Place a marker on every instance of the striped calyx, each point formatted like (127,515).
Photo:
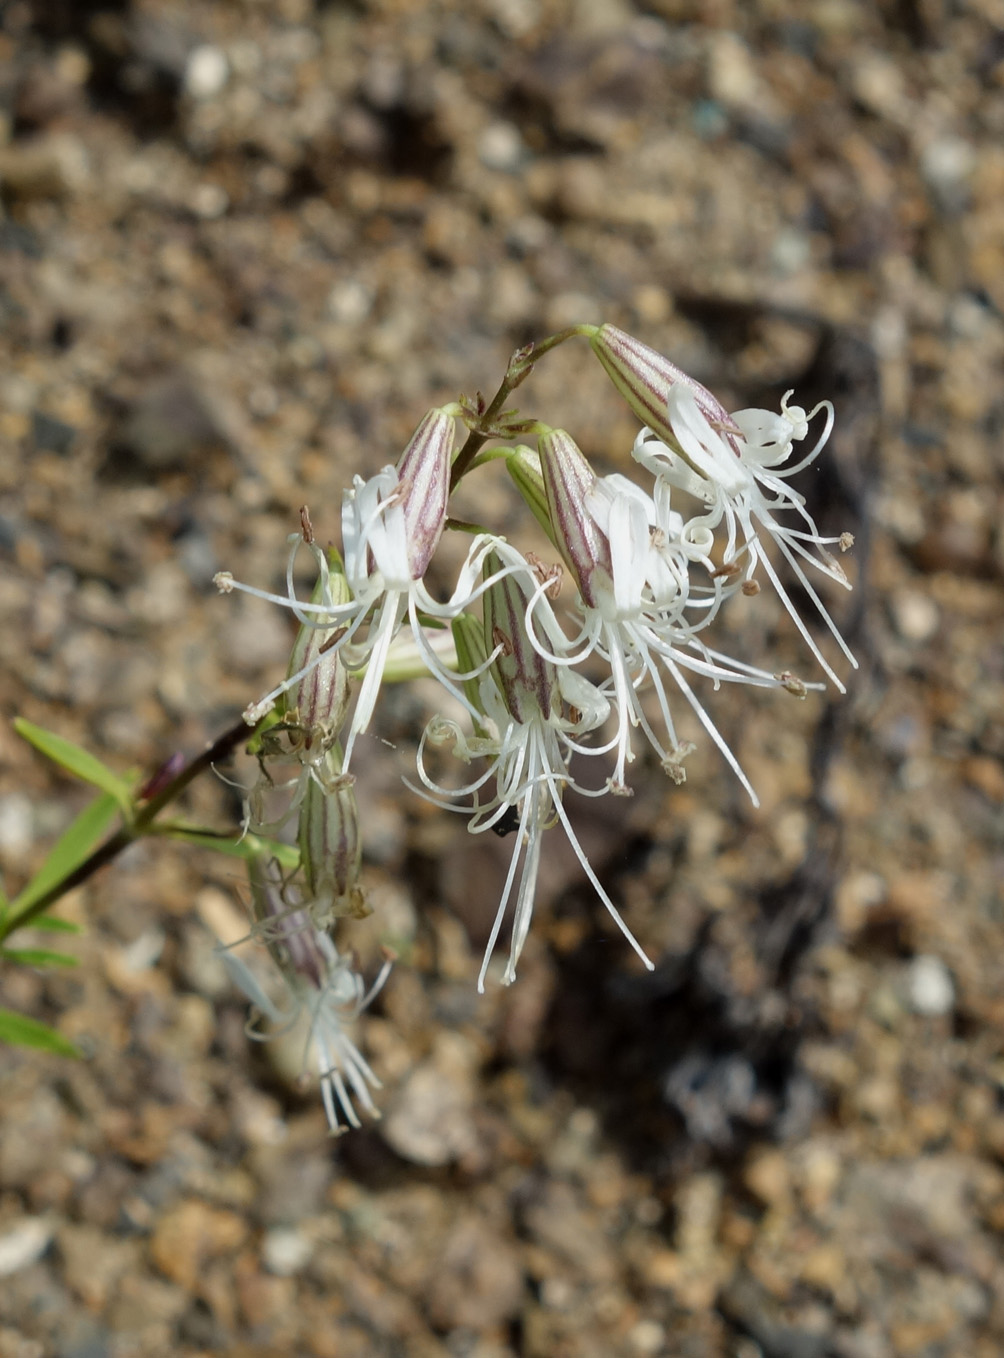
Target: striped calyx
(318,701)
(527,682)
(330,844)
(568,479)
(424,480)
(645,378)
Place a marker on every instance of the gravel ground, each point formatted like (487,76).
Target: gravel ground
(244,247)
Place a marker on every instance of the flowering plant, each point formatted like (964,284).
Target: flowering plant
(651,563)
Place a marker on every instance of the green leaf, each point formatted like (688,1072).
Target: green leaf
(248,846)
(52,924)
(77,761)
(20,1031)
(69,851)
(38,957)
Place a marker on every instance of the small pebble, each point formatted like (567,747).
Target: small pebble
(206,72)
(647,1337)
(16,832)
(23,1243)
(500,147)
(916,616)
(285,1252)
(930,989)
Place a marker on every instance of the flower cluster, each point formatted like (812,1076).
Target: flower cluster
(651,563)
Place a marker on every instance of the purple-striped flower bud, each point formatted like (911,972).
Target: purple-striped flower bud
(568,479)
(644,378)
(424,480)
(316,703)
(527,682)
(293,943)
(331,848)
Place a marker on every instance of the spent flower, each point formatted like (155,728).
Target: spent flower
(323,991)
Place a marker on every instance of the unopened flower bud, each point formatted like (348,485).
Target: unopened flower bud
(644,378)
(331,846)
(568,479)
(424,478)
(163,777)
(317,702)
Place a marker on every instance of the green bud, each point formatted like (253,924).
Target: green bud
(330,844)
(469,640)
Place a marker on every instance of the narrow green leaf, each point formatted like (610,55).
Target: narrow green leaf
(52,924)
(248,846)
(69,851)
(20,1031)
(77,761)
(38,957)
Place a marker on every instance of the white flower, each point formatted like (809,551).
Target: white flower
(391,525)
(531,716)
(322,988)
(737,472)
(631,561)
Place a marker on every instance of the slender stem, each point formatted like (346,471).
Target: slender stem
(223,746)
(520,366)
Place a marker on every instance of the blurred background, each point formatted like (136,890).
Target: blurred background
(245,246)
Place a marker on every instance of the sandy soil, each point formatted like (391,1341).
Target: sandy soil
(244,247)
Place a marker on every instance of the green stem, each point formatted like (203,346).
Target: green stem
(519,369)
(223,746)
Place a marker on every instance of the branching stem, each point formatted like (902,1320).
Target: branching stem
(519,369)
(126,834)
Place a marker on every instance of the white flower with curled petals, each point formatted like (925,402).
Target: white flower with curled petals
(738,472)
(640,611)
(391,526)
(531,717)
